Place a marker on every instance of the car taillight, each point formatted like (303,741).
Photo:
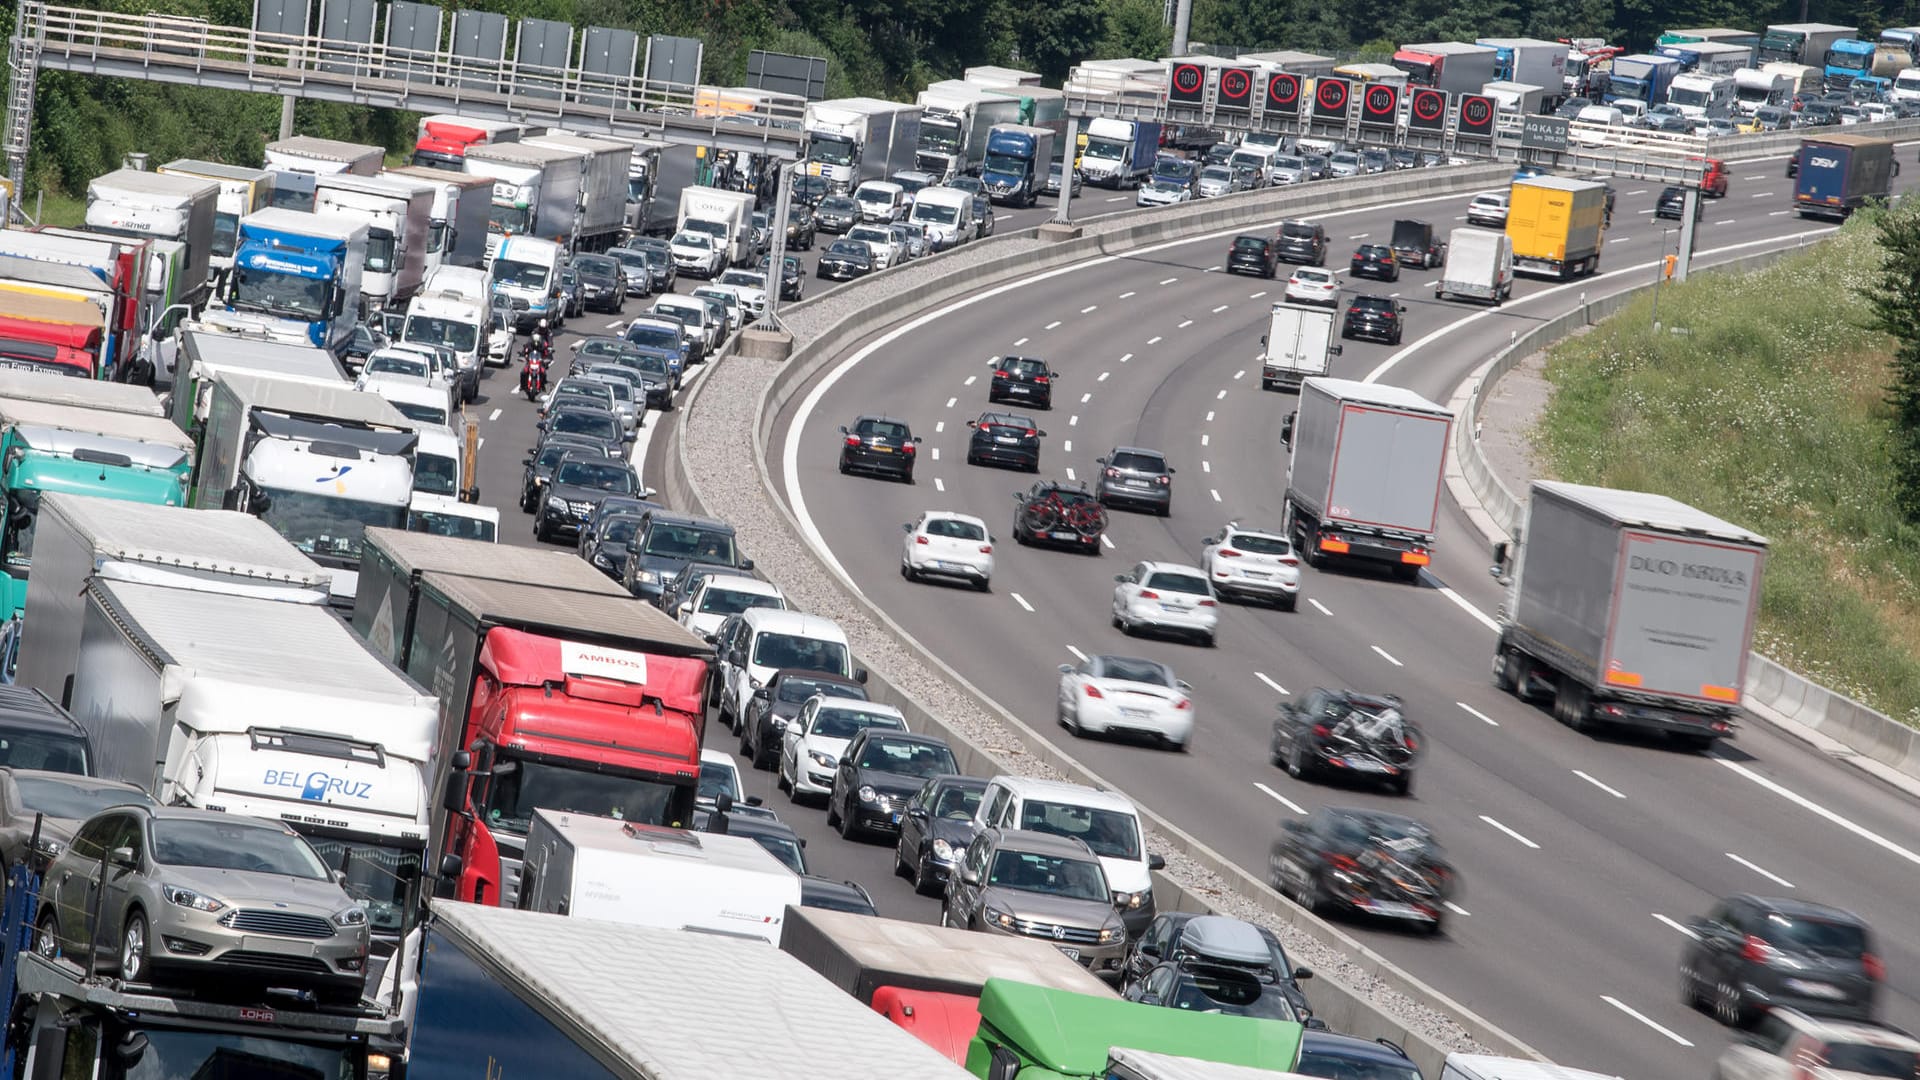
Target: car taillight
(1412,743)
(1033,433)
(1288,560)
(1338,861)
(1387,260)
(1111,473)
(1183,703)
(1757,951)
(1164,479)
(1321,731)
(1040,379)
(906,448)
(986,549)
(1227,553)
(1209,603)
(1874,968)
(1001,375)
(1093,691)
(921,540)
(1149,594)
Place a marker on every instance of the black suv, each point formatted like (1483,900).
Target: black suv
(1375,261)
(1673,204)
(800,226)
(1375,317)
(1303,242)
(1021,378)
(1253,255)
(793,278)
(579,481)
(603,282)
(1415,244)
(878,444)
(1753,952)
(667,541)
(537,468)
(1005,439)
(35,733)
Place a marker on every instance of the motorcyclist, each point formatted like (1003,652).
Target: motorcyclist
(543,339)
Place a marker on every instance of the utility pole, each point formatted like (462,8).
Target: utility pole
(1183,14)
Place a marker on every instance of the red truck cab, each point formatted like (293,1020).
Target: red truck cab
(1713,182)
(50,334)
(444,140)
(946,1022)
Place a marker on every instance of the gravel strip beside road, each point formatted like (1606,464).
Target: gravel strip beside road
(809,320)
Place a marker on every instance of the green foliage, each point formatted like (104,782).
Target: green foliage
(1895,314)
(1771,411)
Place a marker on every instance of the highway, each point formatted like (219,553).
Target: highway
(1580,856)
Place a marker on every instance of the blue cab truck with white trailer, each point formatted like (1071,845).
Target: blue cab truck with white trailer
(1642,77)
(1119,153)
(1018,157)
(296,278)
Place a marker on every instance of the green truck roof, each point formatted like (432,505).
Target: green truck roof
(1073,1034)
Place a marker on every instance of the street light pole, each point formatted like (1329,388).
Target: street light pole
(777,250)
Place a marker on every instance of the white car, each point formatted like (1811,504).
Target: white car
(1108,694)
(695,253)
(694,314)
(1488,208)
(1874,112)
(1162,193)
(718,776)
(1312,285)
(811,748)
(399,365)
(750,286)
(1790,1045)
(720,595)
(885,246)
(1168,597)
(736,311)
(1252,563)
(943,544)
(499,339)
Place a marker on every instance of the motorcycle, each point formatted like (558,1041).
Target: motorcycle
(533,370)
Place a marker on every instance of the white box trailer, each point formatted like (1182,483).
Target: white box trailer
(1485,1067)
(1299,344)
(21,384)
(457,222)
(649,875)
(603,187)
(160,206)
(398,214)
(1479,266)
(297,161)
(863,955)
(1126,1064)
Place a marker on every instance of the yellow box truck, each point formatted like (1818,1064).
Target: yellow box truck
(1557,226)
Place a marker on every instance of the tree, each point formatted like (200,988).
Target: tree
(1896,314)
(1135,28)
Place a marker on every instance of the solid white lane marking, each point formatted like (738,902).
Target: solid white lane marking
(1124,295)
(1153,340)
(1107,540)
(1282,799)
(950,401)
(936,453)
(616,324)
(1184,325)
(1456,908)
(1808,804)
(1762,871)
(1603,787)
(1642,1017)
(1648,211)
(1216,493)
(1471,711)
(1078,653)
(1021,600)
(1682,927)
(1170,281)
(1070,475)
(1431,284)
(1103,376)
(1220,309)
(1485,620)
(938,484)
(492,416)
(1318,606)
(1021,342)
(1126,358)
(1206,466)
(1051,325)
(1271,685)
(1212,270)
(969,381)
(1387,656)
(1497,825)
(1090,309)
(480,442)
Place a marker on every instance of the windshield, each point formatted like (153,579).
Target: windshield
(903,758)
(784,849)
(1023,871)
(939,136)
(73,801)
(1260,545)
(524,275)
(46,751)
(745,278)
(461,337)
(1129,669)
(226,234)
(1815,935)
(509,219)
(654,337)
(531,785)
(1217,174)
(831,149)
(839,204)
(593,424)
(870,195)
(436,475)
(170,1054)
(693,314)
(231,845)
(797,689)
(1112,834)
(326,527)
(1003,163)
(1180,583)
(600,475)
(396,365)
(956,530)
(848,249)
(596,266)
(805,653)
(846,723)
(619,530)
(717,779)
(690,239)
(692,542)
(1846,61)
(436,236)
(424,414)
(957,803)
(380,247)
(935,213)
(457,525)
(381,878)
(1334,1067)
(1859,1059)
(280,294)
(1244,160)
(1104,150)
(1682,96)
(718,601)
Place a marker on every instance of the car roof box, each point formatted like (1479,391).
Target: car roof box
(1216,937)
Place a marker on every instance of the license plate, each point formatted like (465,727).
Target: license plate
(1062,534)
(1018,390)
(1173,607)
(1815,989)
(1071,954)
(1136,713)
(1388,907)
(1137,483)
(1253,574)
(1007,440)
(883,449)
(1365,765)
(896,817)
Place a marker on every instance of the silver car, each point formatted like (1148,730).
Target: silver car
(1345,163)
(57,803)
(912,237)
(169,894)
(1038,885)
(1218,180)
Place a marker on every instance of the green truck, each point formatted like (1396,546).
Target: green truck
(1029,1032)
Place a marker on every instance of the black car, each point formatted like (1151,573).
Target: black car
(1346,733)
(776,836)
(602,425)
(1025,379)
(1253,255)
(538,467)
(765,717)
(1303,242)
(936,830)
(879,774)
(1415,243)
(1325,1053)
(1816,114)
(810,190)
(666,541)
(1570,108)
(1380,318)
(572,295)
(1067,515)
(1751,953)
(1673,204)
(831,895)
(879,445)
(1375,261)
(1005,439)
(578,484)
(793,277)
(1165,938)
(800,226)
(845,260)
(836,214)
(1213,988)
(603,282)
(604,540)
(1403,158)
(1364,862)
(362,343)
(1218,153)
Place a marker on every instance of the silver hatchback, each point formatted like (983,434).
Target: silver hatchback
(1137,477)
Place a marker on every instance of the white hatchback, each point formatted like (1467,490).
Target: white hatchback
(1252,563)
(1168,597)
(948,545)
(1126,694)
(1312,285)
(811,747)
(720,595)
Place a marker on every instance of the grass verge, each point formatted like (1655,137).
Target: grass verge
(1760,399)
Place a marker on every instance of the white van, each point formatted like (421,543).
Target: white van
(467,281)
(527,271)
(1106,821)
(436,462)
(1589,122)
(881,201)
(417,401)
(444,516)
(946,214)
(451,319)
(760,641)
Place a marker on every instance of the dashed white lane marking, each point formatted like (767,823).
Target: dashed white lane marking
(1084,398)
(1642,1017)
(1107,540)
(1184,325)
(1221,396)
(1204,439)
(1068,447)
(950,401)
(480,442)
(492,416)
(1212,270)
(1090,309)
(1124,295)
(1282,799)
(1359,236)
(1602,786)
(969,381)
(1206,466)
(1457,909)
(1021,600)
(938,484)
(1070,475)
(1216,493)
(936,453)
(1103,376)
(1762,871)
(1123,359)
(1431,284)
(1076,652)
(1396,295)
(1220,309)
(1258,295)
(1680,926)
(939,426)
(1483,817)
(1762,195)
(1074,420)
(616,324)
(1153,340)
(1241,374)
(1642,191)
(1726,221)
(1779,213)
(1170,281)
(1051,325)
(1117,198)
(1274,686)
(1808,804)
(1318,606)
(1485,620)
(1471,711)
(1387,656)
(1021,342)
(1647,211)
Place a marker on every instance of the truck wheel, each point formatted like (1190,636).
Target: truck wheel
(1506,676)
(1570,705)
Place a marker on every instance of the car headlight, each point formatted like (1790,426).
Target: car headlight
(187,898)
(1132,901)
(647,577)
(600,560)
(825,761)
(943,851)
(352,917)
(866,794)
(556,503)
(1111,933)
(996,916)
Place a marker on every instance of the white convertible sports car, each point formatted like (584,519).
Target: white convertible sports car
(1107,694)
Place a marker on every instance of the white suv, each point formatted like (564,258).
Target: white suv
(1252,564)
(1489,209)
(760,641)
(1168,597)
(1105,820)
(1786,1045)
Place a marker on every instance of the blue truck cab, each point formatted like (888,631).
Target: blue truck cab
(296,275)
(1847,60)
(1017,160)
(1642,77)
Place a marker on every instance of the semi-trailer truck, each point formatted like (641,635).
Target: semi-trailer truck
(1530,61)
(444,139)
(397,212)
(296,278)
(1708,57)
(1642,77)
(105,271)
(1119,153)
(205,353)
(1018,156)
(1557,225)
(1728,35)
(1365,473)
(159,206)
(1028,1030)
(536,190)
(1839,174)
(853,140)
(1299,343)
(242,191)
(954,121)
(457,221)
(1453,66)
(601,212)
(1868,63)
(1629,610)
(297,161)
(1802,43)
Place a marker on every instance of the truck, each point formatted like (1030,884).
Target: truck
(650,875)
(853,140)
(203,354)
(457,221)
(1642,77)
(544,978)
(296,278)
(1453,66)
(1700,96)
(1838,174)
(1708,57)
(1018,156)
(50,335)
(1070,1036)
(1755,87)
(727,216)
(1557,225)
(1589,68)
(1293,61)
(1520,99)
(536,190)
(1479,266)
(1365,475)
(1806,78)
(525,271)
(1119,153)
(242,191)
(1299,343)
(1529,60)
(397,213)
(1628,610)
(1903,37)
(1871,65)
(1127,1064)
(105,271)
(955,118)
(444,139)
(602,210)
(297,161)
(318,463)
(161,206)
(1802,43)
(1487,1067)
(1906,87)
(926,979)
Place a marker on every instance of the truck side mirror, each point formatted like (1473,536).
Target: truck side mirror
(1499,559)
(1286,432)
(453,797)
(451,865)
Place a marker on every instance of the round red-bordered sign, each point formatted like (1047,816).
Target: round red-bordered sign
(1380,101)
(1236,87)
(1187,82)
(1283,92)
(1331,95)
(1429,106)
(1476,115)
